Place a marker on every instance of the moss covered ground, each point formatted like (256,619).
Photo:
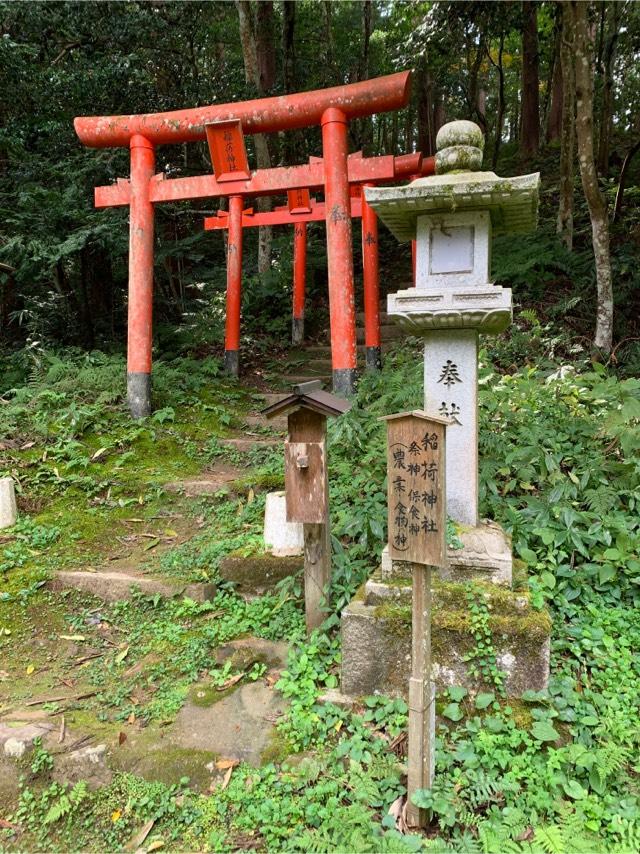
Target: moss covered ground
(558,472)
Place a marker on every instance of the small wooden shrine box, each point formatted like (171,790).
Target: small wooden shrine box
(305,464)
(307,483)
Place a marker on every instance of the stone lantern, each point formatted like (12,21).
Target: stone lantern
(452,216)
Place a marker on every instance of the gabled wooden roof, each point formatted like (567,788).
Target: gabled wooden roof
(309,396)
(417,413)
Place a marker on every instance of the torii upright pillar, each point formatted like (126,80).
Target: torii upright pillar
(299,281)
(335,151)
(234,287)
(140,308)
(371,286)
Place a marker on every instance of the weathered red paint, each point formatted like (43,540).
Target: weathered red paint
(263,182)
(299,269)
(339,253)
(278,216)
(234,275)
(370,275)
(140,257)
(427,167)
(264,115)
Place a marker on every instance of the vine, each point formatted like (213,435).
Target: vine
(481,660)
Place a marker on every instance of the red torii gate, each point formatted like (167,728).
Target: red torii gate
(330,108)
(300,210)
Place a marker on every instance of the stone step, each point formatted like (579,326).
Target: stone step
(383,316)
(277,424)
(320,365)
(322,352)
(117,586)
(257,574)
(293,379)
(388,332)
(271,397)
(248,443)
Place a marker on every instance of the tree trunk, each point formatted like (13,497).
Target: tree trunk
(564,225)
(365,129)
(424,87)
(249,40)
(554,115)
(265,45)
(617,210)
(583,53)
(473,92)
(292,141)
(501,102)
(606,113)
(439,114)
(530,109)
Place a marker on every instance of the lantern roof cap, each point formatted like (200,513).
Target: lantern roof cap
(458,185)
(511,202)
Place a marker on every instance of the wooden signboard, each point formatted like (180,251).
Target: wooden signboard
(227,149)
(417,534)
(415,487)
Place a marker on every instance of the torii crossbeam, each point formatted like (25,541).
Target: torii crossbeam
(332,109)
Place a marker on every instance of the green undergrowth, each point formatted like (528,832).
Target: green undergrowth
(556,771)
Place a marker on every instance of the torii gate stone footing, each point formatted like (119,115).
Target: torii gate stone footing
(452,216)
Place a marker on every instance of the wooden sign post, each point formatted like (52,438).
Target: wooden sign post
(307,484)
(416,530)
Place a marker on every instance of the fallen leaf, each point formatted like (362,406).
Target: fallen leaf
(30,669)
(338,726)
(26,446)
(155,844)
(62,732)
(98,454)
(151,545)
(169,532)
(120,657)
(122,737)
(115,815)
(136,841)
(250,496)
(398,810)
(7,825)
(132,718)
(72,637)
(224,764)
(134,520)
(227,777)
(526,835)
(232,681)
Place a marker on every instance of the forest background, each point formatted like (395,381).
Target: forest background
(510,66)
(556,88)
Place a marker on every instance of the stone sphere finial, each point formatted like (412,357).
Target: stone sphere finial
(459,147)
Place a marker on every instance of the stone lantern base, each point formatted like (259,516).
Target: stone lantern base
(376,638)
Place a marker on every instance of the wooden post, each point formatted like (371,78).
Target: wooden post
(416,529)
(306,483)
(307,491)
(421,753)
